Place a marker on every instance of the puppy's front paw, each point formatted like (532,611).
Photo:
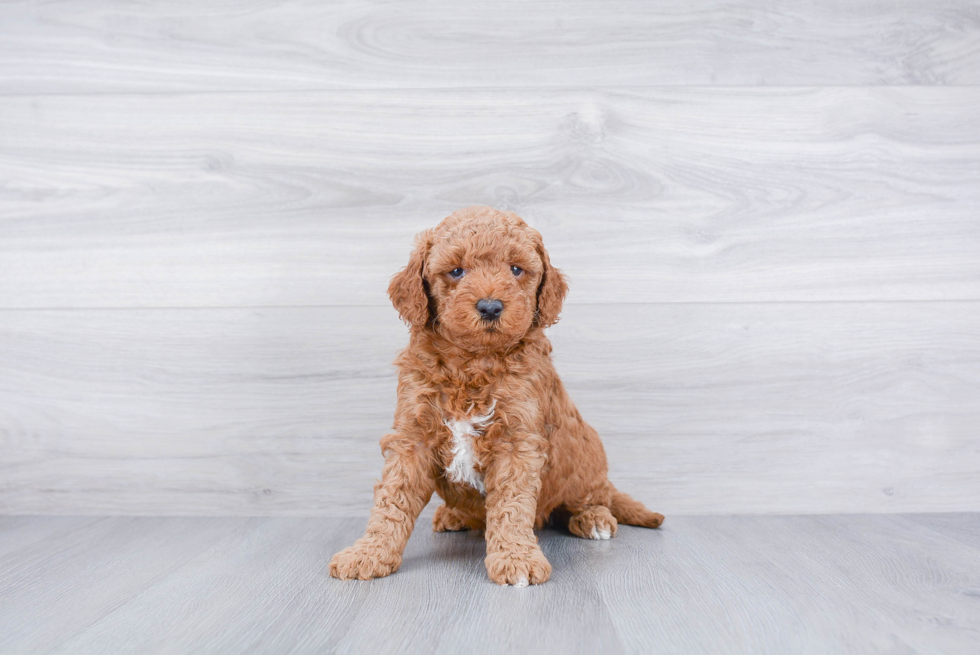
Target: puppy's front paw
(363,563)
(519,568)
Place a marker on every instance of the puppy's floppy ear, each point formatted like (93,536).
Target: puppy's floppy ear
(553,287)
(408,290)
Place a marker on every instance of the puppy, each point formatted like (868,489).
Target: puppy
(481,417)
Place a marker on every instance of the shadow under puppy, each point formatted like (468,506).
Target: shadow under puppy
(482,418)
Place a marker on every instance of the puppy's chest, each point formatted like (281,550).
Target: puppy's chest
(465,448)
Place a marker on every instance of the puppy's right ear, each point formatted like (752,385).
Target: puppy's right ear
(408,289)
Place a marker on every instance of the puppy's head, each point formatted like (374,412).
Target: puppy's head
(481,278)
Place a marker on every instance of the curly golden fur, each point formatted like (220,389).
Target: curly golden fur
(482,418)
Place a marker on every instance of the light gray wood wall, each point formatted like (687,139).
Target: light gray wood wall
(770,217)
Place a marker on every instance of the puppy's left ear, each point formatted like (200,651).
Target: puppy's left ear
(551,290)
(408,290)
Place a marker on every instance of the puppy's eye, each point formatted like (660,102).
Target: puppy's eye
(457,273)
(516,270)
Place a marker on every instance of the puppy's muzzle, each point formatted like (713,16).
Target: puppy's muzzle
(489,309)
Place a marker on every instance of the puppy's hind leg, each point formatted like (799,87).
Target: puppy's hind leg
(633,512)
(455,519)
(598,515)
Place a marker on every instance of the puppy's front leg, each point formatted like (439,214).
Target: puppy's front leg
(513,482)
(405,488)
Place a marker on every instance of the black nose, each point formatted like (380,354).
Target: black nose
(489,309)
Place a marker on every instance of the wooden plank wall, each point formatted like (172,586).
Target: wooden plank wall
(770,217)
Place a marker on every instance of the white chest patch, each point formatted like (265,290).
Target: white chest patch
(463,467)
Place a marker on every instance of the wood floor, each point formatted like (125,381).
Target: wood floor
(720,584)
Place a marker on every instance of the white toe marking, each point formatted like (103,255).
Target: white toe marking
(599,535)
(463,467)
(521,583)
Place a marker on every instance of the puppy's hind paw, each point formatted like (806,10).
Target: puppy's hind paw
(447,519)
(593,523)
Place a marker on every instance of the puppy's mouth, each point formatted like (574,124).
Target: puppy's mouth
(491,330)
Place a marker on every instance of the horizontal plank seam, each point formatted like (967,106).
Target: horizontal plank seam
(358,515)
(449,89)
(862,301)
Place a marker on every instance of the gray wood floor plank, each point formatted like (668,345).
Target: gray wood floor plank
(797,584)
(723,584)
(419,614)
(965,528)
(261,588)
(23,532)
(89,573)
(774,408)
(643,195)
(57,47)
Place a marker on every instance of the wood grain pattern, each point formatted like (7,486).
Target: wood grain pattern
(89,571)
(778,408)
(722,585)
(21,533)
(113,46)
(768,214)
(965,528)
(663,195)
